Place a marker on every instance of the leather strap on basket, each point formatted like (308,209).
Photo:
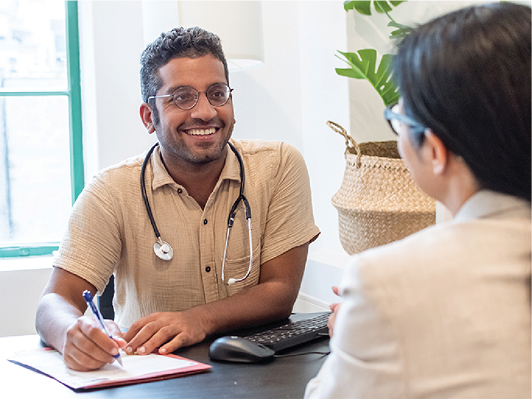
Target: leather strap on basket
(350,143)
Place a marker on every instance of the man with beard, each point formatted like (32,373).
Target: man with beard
(198,281)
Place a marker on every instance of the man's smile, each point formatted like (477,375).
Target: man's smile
(200,132)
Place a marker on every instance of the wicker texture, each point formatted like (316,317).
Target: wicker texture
(378,201)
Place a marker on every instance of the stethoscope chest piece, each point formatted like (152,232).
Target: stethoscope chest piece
(163,250)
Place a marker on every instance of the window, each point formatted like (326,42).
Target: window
(41,161)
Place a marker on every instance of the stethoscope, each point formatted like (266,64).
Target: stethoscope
(165,252)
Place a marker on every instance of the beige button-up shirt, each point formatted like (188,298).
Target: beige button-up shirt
(110,232)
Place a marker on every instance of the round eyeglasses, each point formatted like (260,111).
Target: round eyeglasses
(186,97)
(395,119)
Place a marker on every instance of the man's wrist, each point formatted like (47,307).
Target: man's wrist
(203,317)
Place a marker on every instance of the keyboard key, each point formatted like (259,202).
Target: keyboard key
(292,334)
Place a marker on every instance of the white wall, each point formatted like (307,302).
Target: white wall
(111,41)
(21,283)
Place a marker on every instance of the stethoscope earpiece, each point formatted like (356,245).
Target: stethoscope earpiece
(165,252)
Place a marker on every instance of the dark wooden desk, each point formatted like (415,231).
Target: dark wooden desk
(281,378)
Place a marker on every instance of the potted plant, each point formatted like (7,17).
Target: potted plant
(362,64)
(378,201)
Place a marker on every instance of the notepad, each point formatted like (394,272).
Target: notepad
(136,369)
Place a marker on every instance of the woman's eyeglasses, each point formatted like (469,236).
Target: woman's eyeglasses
(395,120)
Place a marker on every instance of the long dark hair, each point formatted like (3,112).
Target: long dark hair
(466,75)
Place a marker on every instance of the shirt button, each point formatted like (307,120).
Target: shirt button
(208,269)
(179,190)
(204,221)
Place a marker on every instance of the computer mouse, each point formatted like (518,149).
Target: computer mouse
(238,349)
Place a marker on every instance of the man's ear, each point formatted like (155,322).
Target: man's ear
(146,114)
(439,155)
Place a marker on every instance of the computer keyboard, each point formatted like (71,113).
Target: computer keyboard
(292,333)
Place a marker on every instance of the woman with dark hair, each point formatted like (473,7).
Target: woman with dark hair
(446,312)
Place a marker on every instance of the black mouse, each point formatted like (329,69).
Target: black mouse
(238,349)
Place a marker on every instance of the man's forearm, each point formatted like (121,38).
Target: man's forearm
(272,299)
(169,331)
(256,305)
(60,306)
(54,316)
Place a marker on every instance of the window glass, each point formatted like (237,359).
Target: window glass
(33,45)
(35,199)
(35,131)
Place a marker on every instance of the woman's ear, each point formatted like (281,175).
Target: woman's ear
(146,114)
(439,154)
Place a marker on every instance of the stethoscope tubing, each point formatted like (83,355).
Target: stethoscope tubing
(164,251)
(143,189)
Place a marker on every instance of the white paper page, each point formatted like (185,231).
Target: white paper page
(51,363)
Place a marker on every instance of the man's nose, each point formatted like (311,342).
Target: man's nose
(203,110)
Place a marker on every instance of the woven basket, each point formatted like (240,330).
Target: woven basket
(378,201)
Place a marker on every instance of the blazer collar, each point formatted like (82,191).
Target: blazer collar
(491,204)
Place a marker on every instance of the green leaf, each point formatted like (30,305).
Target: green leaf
(401,31)
(364,7)
(363,66)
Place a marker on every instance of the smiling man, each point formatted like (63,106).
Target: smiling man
(160,221)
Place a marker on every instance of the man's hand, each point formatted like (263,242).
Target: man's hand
(167,331)
(272,299)
(62,325)
(87,347)
(335,307)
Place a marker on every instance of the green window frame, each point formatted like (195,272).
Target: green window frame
(73,94)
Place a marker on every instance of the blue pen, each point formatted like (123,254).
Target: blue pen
(88,298)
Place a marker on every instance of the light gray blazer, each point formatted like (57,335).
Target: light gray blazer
(444,313)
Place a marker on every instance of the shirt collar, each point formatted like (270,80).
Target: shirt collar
(231,170)
(161,177)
